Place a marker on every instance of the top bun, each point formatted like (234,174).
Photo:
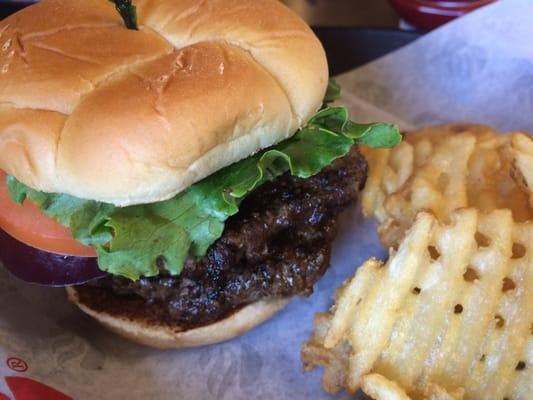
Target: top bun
(94,110)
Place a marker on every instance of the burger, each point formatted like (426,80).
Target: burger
(176,164)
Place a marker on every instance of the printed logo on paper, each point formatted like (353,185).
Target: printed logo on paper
(16,364)
(23,388)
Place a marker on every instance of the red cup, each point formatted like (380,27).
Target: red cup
(429,14)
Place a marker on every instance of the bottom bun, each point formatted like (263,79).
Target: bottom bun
(163,336)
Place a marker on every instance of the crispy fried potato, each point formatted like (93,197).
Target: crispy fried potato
(441,169)
(520,151)
(380,388)
(448,317)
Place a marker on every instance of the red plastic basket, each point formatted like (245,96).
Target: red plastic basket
(429,14)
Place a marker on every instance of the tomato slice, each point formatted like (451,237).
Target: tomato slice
(29,225)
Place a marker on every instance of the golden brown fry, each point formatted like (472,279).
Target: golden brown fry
(521,155)
(380,388)
(375,313)
(477,297)
(438,281)
(441,169)
(448,317)
(349,296)
(509,331)
(521,386)
(335,361)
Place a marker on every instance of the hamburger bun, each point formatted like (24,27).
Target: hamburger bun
(94,110)
(164,336)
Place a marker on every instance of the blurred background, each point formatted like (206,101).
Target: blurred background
(421,15)
(377,13)
(368,13)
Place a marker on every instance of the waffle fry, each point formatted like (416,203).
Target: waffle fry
(441,169)
(380,388)
(520,151)
(448,317)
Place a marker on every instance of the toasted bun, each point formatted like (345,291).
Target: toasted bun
(163,336)
(92,109)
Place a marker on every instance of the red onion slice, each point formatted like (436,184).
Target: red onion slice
(43,268)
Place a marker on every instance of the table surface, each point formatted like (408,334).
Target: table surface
(367,13)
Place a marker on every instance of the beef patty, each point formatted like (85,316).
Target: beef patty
(278,245)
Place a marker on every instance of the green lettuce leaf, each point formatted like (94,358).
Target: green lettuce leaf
(141,240)
(333,92)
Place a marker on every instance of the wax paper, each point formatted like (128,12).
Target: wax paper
(478,69)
